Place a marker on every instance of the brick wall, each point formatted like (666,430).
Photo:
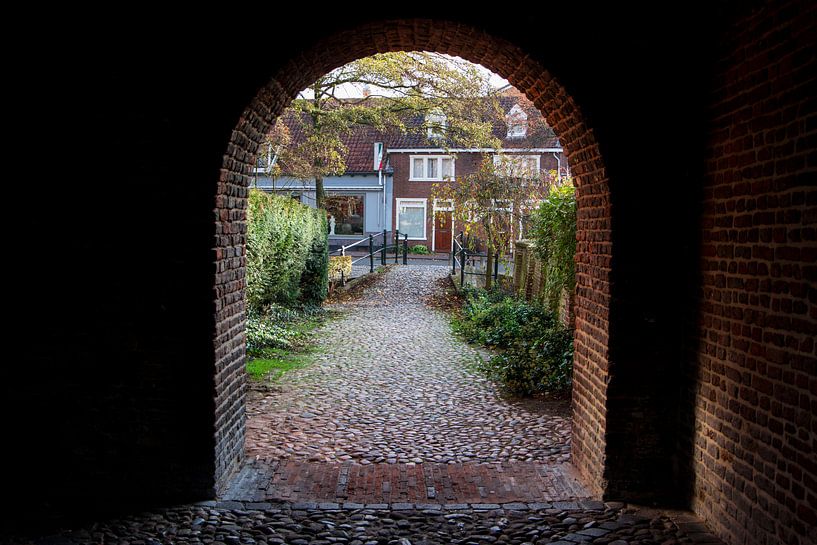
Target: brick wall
(755,357)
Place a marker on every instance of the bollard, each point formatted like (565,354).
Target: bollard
(383,249)
(371,254)
(462,267)
(405,249)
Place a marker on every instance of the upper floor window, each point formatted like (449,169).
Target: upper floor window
(517,121)
(431,168)
(437,124)
(265,159)
(517,166)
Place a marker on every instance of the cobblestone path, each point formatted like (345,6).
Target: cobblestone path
(233,523)
(392,386)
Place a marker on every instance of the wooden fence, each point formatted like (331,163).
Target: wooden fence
(529,280)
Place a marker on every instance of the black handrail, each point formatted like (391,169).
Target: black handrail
(382,250)
(465,255)
(343,248)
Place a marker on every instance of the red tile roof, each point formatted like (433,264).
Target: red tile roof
(361,139)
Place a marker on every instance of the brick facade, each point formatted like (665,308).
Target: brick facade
(755,357)
(466,163)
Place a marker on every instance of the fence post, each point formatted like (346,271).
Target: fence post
(396,244)
(383,249)
(371,254)
(343,250)
(454,255)
(496,265)
(405,249)
(462,266)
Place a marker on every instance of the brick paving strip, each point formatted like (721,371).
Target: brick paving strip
(413,483)
(393,411)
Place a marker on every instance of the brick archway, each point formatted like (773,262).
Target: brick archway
(594,250)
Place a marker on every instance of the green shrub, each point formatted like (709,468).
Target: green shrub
(287,252)
(421,249)
(315,277)
(278,327)
(554,230)
(537,352)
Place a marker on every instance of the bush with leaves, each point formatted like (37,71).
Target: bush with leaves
(287,252)
(554,230)
(278,327)
(537,352)
(420,249)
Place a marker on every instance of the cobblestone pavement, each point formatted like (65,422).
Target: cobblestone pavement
(392,385)
(310,523)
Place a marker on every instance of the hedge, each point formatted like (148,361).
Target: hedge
(287,252)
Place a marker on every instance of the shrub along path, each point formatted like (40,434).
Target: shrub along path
(392,411)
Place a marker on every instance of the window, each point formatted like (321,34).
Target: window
(264,159)
(517,121)
(517,166)
(411,218)
(437,124)
(431,168)
(345,214)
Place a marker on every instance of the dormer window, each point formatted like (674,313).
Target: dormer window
(265,160)
(517,121)
(437,123)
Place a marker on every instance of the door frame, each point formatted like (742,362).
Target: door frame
(437,207)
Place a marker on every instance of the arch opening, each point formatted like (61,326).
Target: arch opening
(593,252)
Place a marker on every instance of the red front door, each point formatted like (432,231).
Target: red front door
(442,231)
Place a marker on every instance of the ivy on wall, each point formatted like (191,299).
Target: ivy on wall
(554,230)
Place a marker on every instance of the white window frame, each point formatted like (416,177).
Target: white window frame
(500,156)
(437,124)
(426,158)
(400,201)
(516,118)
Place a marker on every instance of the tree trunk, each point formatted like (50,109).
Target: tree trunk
(320,196)
(489,267)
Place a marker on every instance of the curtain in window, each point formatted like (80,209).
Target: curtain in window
(412,220)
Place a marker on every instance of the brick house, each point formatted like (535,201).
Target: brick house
(389,177)
(418,161)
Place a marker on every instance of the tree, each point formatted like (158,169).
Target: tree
(493,202)
(423,91)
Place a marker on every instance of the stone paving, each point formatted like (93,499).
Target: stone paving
(393,385)
(310,523)
(392,410)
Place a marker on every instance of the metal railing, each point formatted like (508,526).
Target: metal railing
(382,250)
(460,255)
